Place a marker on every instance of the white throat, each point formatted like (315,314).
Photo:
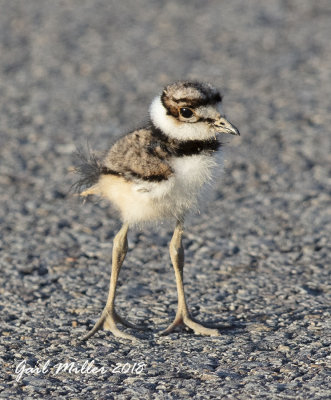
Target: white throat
(176,129)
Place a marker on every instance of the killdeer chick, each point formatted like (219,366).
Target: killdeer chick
(156,173)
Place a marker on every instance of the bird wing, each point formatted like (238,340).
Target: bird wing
(139,156)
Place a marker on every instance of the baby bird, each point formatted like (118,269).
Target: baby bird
(156,173)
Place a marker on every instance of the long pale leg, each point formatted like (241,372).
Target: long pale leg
(109,317)
(182,316)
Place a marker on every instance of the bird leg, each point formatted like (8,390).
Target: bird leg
(182,316)
(109,316)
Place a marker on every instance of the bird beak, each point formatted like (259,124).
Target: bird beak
(224,126)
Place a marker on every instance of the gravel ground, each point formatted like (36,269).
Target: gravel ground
(258,256)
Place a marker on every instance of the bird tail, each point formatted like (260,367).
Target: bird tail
(88,168)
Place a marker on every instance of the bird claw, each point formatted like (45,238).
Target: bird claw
(108,322)
(190,323)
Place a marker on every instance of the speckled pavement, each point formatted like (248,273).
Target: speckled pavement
(258,255)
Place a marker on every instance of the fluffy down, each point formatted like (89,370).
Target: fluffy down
(140,201)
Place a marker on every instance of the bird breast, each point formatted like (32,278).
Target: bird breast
(179,193)
(141,201)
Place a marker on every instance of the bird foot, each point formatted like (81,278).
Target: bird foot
(108,322)
(187,320)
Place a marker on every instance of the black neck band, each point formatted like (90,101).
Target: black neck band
(182,148)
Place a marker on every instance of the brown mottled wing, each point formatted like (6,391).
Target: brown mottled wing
(139,155)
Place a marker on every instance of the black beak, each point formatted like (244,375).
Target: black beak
(224,126)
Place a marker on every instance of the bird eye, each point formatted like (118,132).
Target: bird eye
(186,112)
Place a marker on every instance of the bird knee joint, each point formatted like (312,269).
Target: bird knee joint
(119,241)
(173,247)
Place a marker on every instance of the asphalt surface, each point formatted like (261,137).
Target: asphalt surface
(257,257)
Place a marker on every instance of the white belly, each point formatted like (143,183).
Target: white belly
(174,197)
(152,201)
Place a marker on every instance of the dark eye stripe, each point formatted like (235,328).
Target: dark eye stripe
(210,120)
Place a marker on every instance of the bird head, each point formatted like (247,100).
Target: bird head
(190,110)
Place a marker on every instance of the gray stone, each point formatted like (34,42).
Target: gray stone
(257,257)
